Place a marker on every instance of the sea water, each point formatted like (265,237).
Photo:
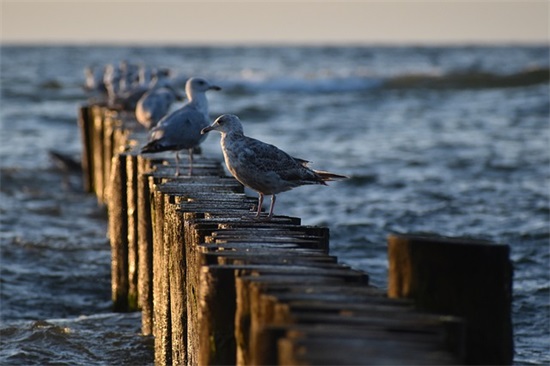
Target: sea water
(442,140)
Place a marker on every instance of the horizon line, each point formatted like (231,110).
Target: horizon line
(273,43)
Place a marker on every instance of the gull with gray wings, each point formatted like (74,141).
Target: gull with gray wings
(181,129)
(261,166)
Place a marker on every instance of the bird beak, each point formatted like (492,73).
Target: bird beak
(207,129)
(214,87)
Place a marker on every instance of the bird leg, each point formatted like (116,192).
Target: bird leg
(273,198)
(260,202)
(177,163)
(190,161)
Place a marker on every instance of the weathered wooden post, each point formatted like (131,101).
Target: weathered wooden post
(98,123)
(174,237)
(161,284)
(145,248)
(107,155)
(118,233)
(85,123)
(465,278)
(193,237)
(133,251)
(216,318)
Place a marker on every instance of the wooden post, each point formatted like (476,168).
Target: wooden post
(258,346)
(216,318)
(98,150)
(192,238)
(133,252)
(242,321)
(145,249)
(161,284)
(85,122)
(118,233)
(174,238)
(107,133)
(469,279)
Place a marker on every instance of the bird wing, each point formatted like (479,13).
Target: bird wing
(180,129)
(266,157)
(269,159)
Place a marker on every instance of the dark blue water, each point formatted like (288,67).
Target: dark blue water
(446,140)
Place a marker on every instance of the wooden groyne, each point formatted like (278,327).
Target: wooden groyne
(217,287)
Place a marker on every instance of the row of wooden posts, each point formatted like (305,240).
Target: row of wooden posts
(217,287)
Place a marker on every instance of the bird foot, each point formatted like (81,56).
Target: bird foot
(262,218)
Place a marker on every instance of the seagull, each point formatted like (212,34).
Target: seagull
(181,129)
(156,102)
(154,105)
(263,167)
(94,80)
(111,79)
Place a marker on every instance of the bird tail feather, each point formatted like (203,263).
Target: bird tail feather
(153,147)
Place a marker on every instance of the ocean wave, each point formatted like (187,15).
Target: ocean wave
(302,85)
(470,80)
(361,83)
(103,339)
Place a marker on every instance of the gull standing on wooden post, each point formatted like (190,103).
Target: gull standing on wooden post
(263,167)
(181,129)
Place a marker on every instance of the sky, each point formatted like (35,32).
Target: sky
(275,22)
